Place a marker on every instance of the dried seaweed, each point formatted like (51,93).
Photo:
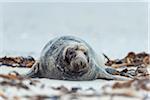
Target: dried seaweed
(42,97)
(132,59)
(122,85)
(16,81)
(11,77)
(140,61)
(62,89)
(138,84)
(119,94)
(17,84)
(17,61)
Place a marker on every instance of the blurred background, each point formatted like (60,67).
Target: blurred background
(113,28)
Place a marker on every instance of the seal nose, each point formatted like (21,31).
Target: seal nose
(78,64)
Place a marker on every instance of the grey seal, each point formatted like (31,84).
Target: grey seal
(70,58)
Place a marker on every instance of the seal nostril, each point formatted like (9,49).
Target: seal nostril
(76,67)
(84,65)
(81,63)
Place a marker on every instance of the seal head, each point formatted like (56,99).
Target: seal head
(76,57)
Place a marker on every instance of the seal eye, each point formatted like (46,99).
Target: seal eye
(85,53)
(70,51)
(70,54)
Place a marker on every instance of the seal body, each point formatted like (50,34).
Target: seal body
(69,58)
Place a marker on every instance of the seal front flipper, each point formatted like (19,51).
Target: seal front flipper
(103,74)
(113,71)
(34,72)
